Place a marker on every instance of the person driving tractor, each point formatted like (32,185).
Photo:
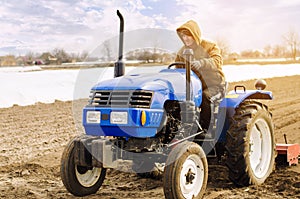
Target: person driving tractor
(207,65)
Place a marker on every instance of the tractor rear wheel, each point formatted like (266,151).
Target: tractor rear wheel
(79,180)
(250,144)
(186,172)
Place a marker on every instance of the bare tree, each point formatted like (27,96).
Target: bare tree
(292,40)
(268,51)
(84,55)
(223,45)
(107,51)
(61,55)
(145,55)
(29,57)
(247,54)
(279,51)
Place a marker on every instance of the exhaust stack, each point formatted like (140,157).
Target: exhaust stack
(119,65)
(188,54)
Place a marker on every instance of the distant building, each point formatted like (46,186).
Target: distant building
(38,62)
(53,60)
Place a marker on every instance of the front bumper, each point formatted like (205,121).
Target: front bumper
(93,151)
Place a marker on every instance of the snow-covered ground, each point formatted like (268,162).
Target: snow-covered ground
(28,85)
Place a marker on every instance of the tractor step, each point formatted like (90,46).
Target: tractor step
(290,151)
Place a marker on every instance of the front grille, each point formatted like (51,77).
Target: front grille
(116,98)
(141,99)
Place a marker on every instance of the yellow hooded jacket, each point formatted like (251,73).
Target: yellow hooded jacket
(207,53)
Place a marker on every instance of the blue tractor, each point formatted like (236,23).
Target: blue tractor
(153,121)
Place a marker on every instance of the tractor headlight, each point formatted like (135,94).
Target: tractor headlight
(118,117)
(93,117)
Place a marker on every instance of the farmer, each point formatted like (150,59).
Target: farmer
(207,64)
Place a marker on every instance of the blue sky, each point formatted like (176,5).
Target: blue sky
(82,25)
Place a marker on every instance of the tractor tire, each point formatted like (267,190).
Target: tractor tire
(79,180)
(186,172)
(250,144)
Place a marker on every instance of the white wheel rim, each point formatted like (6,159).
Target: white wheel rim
(89,178)
(260,151)
(193,164)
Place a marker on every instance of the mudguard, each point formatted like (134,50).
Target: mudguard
(234,98)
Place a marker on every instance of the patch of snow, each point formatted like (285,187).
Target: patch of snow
(20,86)
(19,69)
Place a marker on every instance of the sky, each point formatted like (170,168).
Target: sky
(82,25)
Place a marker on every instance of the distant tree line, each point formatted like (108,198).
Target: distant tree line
(56,57)
(149,55)
(289,49)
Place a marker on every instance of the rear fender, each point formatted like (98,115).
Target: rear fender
(234,98)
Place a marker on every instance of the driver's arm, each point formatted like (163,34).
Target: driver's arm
(214,60)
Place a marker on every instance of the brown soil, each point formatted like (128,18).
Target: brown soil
(32,139)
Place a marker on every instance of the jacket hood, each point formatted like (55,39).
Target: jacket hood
(193,28)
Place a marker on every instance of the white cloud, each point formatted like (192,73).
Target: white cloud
(78,25)
(288,3)
(48,24)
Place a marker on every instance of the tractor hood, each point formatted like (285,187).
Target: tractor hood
(168,84)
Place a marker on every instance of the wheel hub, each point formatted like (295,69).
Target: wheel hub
(189,177)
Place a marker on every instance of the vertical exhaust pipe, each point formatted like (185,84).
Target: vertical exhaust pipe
(188,54)
(119,65)
(188,113)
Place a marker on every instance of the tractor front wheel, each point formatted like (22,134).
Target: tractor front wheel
(186,172)
(79,180)
(250,144)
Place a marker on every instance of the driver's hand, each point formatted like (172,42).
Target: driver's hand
(196,65)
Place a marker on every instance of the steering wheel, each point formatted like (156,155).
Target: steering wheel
(176,64)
